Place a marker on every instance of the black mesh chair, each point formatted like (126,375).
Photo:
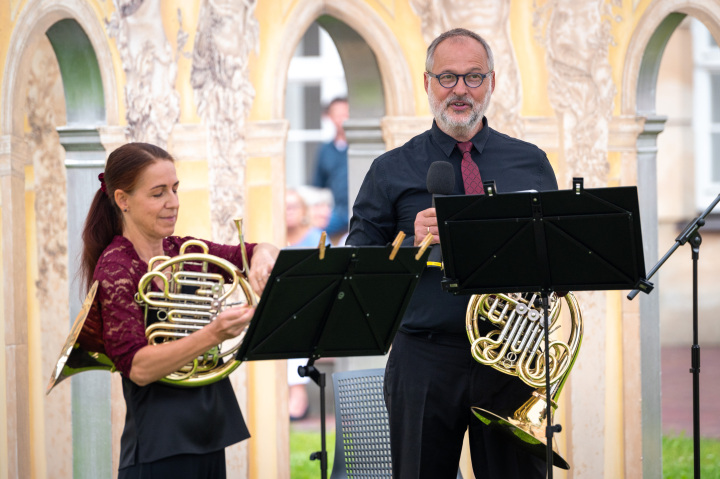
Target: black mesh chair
(362,436)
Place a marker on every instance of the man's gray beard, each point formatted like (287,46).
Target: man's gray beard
(458,128)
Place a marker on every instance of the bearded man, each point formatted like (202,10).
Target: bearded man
(431,379)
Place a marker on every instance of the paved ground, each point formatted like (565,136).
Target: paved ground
(677,405)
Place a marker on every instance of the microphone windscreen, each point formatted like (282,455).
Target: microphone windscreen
(441,178)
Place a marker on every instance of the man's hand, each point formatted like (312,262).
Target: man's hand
(426,222)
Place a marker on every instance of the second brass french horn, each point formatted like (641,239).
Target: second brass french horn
(196,287)
(515,347)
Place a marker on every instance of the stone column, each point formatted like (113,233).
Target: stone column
(264,383)
(13,158)
(649,303)
(92,444)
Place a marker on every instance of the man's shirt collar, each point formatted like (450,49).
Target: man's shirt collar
(447,143)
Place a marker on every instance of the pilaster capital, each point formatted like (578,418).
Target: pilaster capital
(541,131)
(112,137)
(266,138)
(189,142)
(398,130)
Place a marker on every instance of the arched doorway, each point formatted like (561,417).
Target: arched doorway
(332,64)
(58,76)
(84,160)
(316,84)
(377,76)
(378,87)
(641,97)
(688,95)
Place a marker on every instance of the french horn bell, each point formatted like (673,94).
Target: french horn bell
(515,347)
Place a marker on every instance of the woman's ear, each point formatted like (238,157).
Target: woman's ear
(121,199)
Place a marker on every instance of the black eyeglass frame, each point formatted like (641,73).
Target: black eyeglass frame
(464,77)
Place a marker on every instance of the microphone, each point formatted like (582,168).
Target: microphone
(440,181)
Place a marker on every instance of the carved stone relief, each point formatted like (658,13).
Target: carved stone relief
(576,36)
(44,104)
(153,104)
(227,33)
(490,19)
(44,109)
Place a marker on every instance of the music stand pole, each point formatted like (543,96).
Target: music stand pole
(551,428)
(319,379)
(690,234)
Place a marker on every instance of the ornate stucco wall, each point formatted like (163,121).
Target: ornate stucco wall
(208,81)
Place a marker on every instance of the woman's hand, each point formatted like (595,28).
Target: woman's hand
(261,264)
(154,362)
(231,322)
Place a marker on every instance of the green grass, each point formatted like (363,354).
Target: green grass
(304,443)
(679,458)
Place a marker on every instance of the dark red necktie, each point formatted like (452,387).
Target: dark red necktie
(470,172)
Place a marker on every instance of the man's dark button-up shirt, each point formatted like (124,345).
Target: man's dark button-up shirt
(395,190)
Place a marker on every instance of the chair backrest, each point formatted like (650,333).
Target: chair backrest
(362,434)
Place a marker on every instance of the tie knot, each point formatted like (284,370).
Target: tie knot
(464,146)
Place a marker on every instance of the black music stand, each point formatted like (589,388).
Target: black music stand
(347,303)
(569,240)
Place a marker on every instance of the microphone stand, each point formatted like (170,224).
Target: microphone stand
(690,234)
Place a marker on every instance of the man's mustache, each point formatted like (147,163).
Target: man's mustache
(464,99)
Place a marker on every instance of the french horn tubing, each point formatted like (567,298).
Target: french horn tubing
(515,347)
(195,289)
(191,298)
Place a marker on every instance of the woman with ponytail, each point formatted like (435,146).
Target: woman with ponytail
(169,431)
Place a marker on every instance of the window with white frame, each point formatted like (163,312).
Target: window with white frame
(706,116)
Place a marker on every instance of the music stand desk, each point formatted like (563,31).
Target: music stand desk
(348,304)
(345,301)
(568,240)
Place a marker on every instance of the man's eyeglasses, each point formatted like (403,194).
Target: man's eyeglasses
(449,80)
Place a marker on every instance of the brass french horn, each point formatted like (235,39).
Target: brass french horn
(516,348)
(196,288)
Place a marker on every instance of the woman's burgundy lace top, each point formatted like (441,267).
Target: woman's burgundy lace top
(115,312)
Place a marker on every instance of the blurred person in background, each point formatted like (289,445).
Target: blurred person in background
(331,169)
(302,233)
(320,204)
